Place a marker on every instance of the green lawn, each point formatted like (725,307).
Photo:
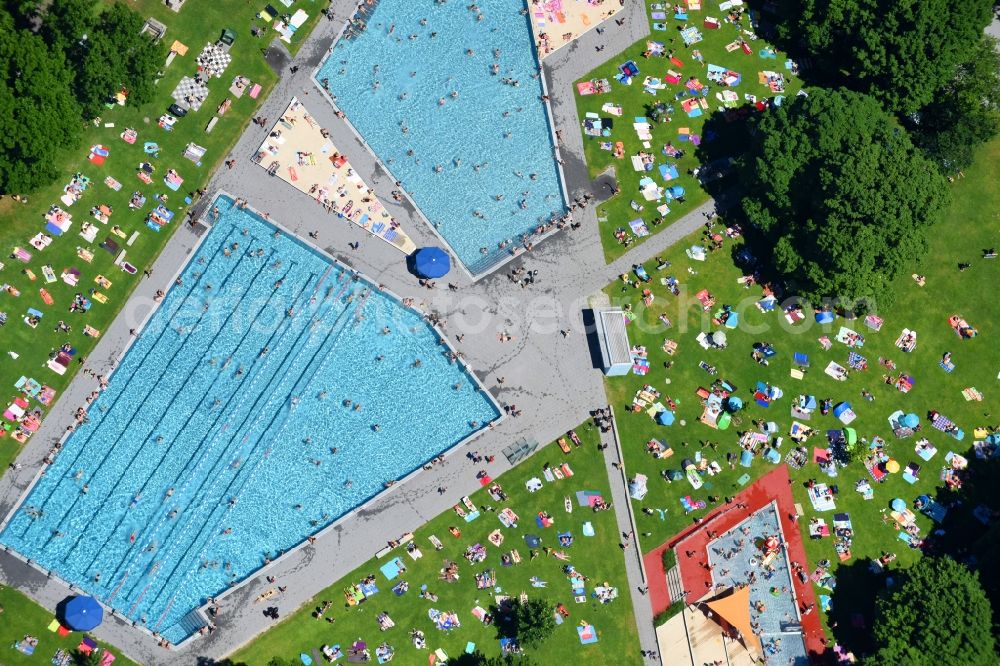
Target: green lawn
(969,227)
(194,26)
(727,142)
(20,616)
(598,558)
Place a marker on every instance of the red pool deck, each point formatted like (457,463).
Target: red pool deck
(697,579)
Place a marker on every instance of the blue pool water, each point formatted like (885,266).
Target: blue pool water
(779,622)
(502,128)
(200,433)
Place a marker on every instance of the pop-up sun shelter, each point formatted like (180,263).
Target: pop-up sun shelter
(637,487)
(665,417)
(844,412)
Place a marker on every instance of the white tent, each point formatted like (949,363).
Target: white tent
(718,339)
(637,487)
(696,252)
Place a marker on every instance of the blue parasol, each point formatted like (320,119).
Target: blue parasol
(431,262)
(83,613)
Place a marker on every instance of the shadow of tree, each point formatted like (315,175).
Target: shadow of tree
(853,602)
(970,531)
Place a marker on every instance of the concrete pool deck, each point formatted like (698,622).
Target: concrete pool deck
(548,375)
(296,151)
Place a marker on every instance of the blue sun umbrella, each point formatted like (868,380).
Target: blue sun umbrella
(431,262)
(666,417)
(911,420)
(83,613)
(898,505)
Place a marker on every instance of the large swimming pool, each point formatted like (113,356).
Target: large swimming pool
(418,84)
(269,395)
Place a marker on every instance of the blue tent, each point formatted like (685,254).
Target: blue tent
(666,417)
(841,408)
(431,262)
(911,420)
(807,402)
(898,505)
(83,613)
(824,317)
(746,458)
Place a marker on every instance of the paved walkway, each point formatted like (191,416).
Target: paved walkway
(538,364)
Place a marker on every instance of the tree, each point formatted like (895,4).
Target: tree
(841,195)
(534,621)
(965,113)
(66,23)
(901,52)
(37,110)
(92,658)
(117,56)
(939,613)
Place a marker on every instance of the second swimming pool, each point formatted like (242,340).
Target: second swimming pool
(448,96)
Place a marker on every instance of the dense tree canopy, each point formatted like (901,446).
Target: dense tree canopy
(841,195)
(37,110)
(900,52)
(965,113)
(939,615)
(66,71)
(65,24)
(116,56)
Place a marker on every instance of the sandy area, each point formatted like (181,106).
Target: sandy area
(296,151)
(556,23)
